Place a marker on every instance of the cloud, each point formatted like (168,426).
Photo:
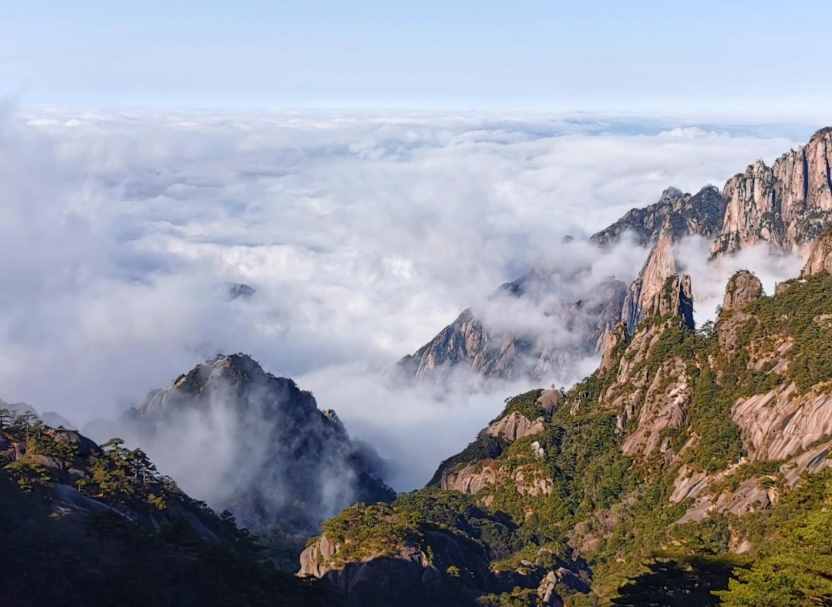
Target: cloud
(709,278)
(363,234)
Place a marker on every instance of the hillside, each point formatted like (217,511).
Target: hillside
(693,462)
(88,524)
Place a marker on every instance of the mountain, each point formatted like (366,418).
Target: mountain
(692,468)
(257,445)
(701,213)
(572,318)
(786,205)
(98,525)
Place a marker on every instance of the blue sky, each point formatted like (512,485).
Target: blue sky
(739,58)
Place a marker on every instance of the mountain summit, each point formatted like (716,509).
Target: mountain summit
(257,445)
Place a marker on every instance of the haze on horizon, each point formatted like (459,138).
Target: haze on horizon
(747,60)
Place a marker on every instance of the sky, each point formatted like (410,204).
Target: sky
(740,58)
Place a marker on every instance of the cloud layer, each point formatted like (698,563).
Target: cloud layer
(363,234)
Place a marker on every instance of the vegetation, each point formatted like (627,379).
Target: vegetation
(132,538)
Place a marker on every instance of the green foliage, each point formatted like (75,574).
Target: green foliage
(802,311)
(525,404)
(518,597)
(124,476)
(483,447)
(376,530)
(382,529)
(719,441)
(793,564)
(28,476)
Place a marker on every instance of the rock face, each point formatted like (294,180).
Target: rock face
(743,288)
(685,214)
(781,423)
(659,290)
(785,205)
(492,352)
(257,445)
(820,257)
(514,426)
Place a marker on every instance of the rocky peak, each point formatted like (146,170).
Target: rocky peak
(674,299)
(820,257)
(661,264)
(610,342)
(743,288)
(257,445)
(473,343)
(785,205)
(685,214)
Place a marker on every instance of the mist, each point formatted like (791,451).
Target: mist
(363,235)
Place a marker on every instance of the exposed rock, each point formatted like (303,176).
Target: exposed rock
(820,257)
(812,460)
(611,341)
(660,265)
(484,474)
(780,423)
(469,344)
(546,591)
(663,407)
(549,399)
(785,205)
(685,214)
(750,496)
(659,290)
(742,289)
(515,426)
(675,299)
(471,478)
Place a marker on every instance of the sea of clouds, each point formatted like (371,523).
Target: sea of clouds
(363,233)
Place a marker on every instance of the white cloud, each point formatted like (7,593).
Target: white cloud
(363,234)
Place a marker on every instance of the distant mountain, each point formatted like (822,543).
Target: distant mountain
(257,445)
(99,525)
(572,322)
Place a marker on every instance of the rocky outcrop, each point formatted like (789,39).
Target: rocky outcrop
(515,426)
(685,214)
(486,474)
(662,408)
(410,573)
(785,205)
(675,299)
(820,257)
(611,341)
(742,289)
(658,290)
(781,423)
